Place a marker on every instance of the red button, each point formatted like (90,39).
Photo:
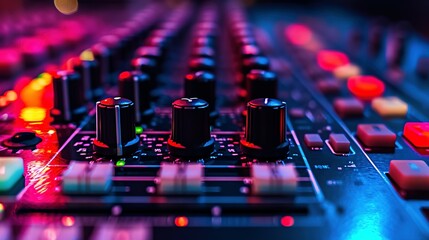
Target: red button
(365,87)
(417,133)
(329,60)
(313,140)
(410,174)
(328,86)
(376,135)
(348,107)
(339,143)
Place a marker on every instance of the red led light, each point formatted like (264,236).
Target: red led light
(365,87)
(3,101)
(11,95)
(67,221)
(72,62)
(298,34)
(124,75)
(330,60)
(417,133)
(287,221)
(181,221)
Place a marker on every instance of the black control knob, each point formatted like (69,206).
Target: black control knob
(265,135)
(136,86)
(205,41)
(150,52)
(159,42)
(375,37)
(202,64)
(190,128)
(115,127)
(248,51)
(101,55)
(69,98)
(246,41)
(205,52)
(201,85)
(257,62)
(422,68)
(146,65)
(396,46)
(22,140)
(90,72)
(112,43)
(261,84)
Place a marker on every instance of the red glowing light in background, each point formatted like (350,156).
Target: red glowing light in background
(330,60)
(67,221)
(298,34)
(365,87)
(287,221)
(181,221)
(11,95)
(3,101)
(124,75)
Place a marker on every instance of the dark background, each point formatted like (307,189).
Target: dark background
(414,11)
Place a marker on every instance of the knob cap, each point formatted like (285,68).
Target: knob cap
(201,85)
(150,52)
(248,51)
(202,64)
(396,46)
(205,52)
(147,66)
(205,41)
(91,77)
(69,99)
(265,135)
(112,43)
(115,127)
(261,84)
(101,55)
(257,62)
(135,85)
(190,128)
(375,38)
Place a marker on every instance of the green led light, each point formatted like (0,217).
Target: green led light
(120,163)
(139,130)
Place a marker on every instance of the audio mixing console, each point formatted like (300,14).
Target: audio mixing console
(212,120)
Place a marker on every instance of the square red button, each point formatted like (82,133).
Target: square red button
(410,174)
(348,107)
(339,143)
(376,135)
(417,133)
(313,140)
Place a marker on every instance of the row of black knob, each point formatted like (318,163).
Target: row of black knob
(256,78)
(265,135)
(86,76)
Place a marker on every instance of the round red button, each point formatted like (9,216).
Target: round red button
(365,87)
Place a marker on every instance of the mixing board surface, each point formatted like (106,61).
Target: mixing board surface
(212,120)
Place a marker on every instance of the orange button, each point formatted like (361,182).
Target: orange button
(417,133)
(410,174)
(365,87)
